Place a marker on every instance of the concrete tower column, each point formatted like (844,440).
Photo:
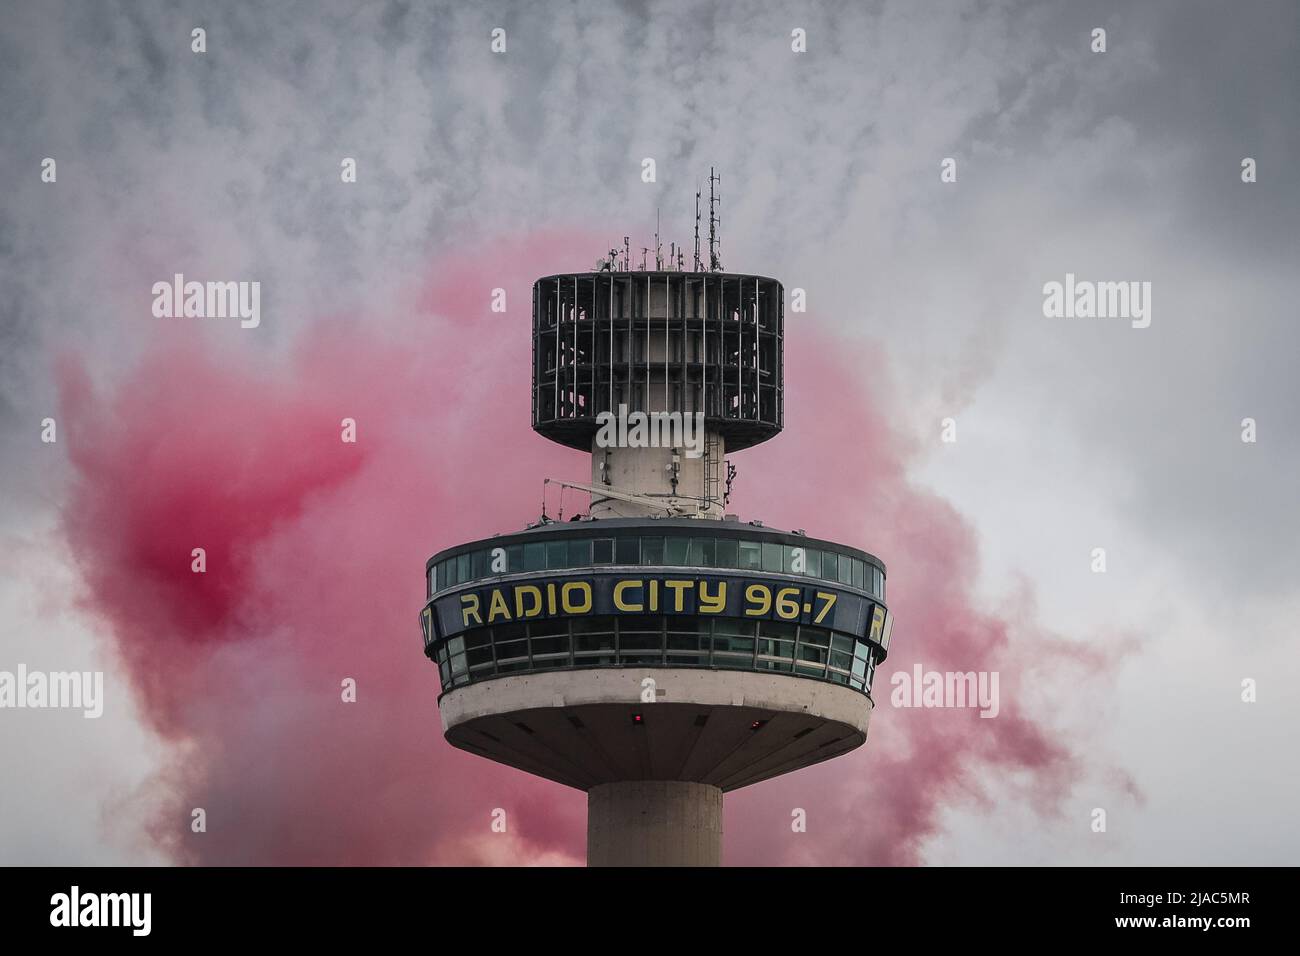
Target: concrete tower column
(654,823)
(650,471)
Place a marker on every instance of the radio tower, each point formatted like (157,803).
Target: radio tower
(656,652)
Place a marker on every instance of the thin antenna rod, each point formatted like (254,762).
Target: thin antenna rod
(697,230)
(659,249)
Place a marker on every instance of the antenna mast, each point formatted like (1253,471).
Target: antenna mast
(659,249)
(697,230)
(714,222)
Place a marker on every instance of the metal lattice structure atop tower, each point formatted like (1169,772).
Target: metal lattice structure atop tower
(658,341)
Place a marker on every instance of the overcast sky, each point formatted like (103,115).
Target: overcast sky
(1073,434)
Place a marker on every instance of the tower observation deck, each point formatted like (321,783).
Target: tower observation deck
(656,651)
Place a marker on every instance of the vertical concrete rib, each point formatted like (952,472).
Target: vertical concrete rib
(654,823)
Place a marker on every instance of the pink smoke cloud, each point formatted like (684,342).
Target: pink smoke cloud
(841,471)
(315,556)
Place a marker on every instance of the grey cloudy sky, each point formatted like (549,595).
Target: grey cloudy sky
(1073,434)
